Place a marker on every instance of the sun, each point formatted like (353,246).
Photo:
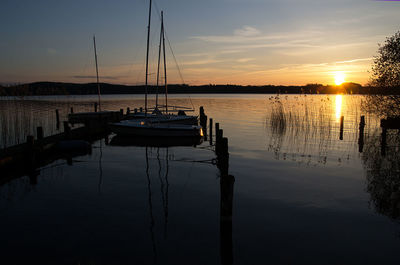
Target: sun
(339,78)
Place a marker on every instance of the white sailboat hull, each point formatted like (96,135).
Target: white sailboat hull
(140,128)
(176,119)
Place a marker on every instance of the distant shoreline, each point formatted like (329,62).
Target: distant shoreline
(58,88)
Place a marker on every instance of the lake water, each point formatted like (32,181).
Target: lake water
(302,192)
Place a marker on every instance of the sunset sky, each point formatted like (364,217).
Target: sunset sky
(247,42)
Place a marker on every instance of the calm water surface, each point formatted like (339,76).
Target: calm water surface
(301,194)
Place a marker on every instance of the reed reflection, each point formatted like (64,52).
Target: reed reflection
(383,172)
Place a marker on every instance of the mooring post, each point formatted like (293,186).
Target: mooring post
(39,132)
(211,131)
(216,135)
(341,127)
(141,109)
(122,112)
(135,110)
(218,141)
(383,141)
(67,130)
(95,107)
(72,110)
(57,119)
(128,111)
(361,134)
(30,141)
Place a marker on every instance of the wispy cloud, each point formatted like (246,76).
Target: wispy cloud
(247,31)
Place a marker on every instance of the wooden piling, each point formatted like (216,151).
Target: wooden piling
(128,111)
(67,130)
(361,134)
(30,141)
(141,109)
(341,127)
(72,110)
(383,142)
(122,112)
(95,107)
(218,141)
(135,110)
(57,119)
(39,133)
(362,120)
(211,131)
(30,154)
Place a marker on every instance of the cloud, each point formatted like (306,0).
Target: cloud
(245,60)
(247,31)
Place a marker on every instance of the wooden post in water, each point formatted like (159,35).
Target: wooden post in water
(218,141)
(141,109)
(67,130)
(211,131)
(72,110)
(135,110)
(122,112)
(95,107)
(30,141)
(128,111)
(361,134)
(57,119)
(341,127)
(383,141)
(39,132)
(216,135)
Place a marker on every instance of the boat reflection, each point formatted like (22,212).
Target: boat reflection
(155,142)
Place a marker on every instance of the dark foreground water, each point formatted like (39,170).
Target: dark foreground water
(300,194)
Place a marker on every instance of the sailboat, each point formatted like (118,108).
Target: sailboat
(157,124)
(100,116)
(162,113)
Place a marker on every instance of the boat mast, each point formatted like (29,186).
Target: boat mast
(165,64)
(97,70)
(147,61)
(159,60)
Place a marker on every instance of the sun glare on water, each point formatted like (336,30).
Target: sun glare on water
(339,78)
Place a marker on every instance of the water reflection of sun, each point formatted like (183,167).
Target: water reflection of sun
(338,102)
